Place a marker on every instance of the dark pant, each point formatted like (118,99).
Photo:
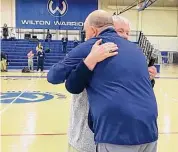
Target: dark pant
(40,64)
(48,40)
(64,48)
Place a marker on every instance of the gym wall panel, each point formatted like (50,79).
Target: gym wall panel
(159,22)
(160,25)
(164,43)
(133,17)
(7,11)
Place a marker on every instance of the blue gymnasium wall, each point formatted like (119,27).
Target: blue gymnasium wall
(53,14)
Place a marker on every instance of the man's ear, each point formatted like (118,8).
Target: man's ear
(94,31)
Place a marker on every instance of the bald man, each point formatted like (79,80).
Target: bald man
(121,111)
(90,148)
(80,137)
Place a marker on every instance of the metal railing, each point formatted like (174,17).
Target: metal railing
(148,49)
(41,33)
(56,34)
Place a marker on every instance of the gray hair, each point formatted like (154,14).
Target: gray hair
(121,19)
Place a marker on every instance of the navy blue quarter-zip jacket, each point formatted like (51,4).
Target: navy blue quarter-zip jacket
(123,108)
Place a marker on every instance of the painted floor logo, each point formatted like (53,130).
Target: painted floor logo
(29,97)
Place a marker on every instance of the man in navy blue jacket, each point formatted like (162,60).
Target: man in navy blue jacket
(122,103)
(64,44)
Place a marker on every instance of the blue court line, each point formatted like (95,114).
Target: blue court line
(46,77)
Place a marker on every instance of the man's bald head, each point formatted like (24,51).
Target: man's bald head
(96,22)
(100,18)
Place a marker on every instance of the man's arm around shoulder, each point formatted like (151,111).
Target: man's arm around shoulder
(59,72)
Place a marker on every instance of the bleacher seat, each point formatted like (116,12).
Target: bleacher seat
(17,52)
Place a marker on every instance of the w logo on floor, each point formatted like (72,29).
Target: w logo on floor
(28,97)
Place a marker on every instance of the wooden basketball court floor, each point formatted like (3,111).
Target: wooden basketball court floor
(34,114)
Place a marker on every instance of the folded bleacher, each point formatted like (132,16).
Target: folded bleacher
(17,52)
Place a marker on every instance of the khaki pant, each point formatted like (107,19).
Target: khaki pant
(3,65)
(30,64)
(150,147)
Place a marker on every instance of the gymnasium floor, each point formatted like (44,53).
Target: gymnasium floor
(34,114)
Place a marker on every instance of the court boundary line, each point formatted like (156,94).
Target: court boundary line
(37,77)
(23,76)
(41,134)
(64,134)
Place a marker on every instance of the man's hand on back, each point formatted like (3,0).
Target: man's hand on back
(100,53)
(152,71)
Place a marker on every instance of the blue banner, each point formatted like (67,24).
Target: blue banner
(53,14)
